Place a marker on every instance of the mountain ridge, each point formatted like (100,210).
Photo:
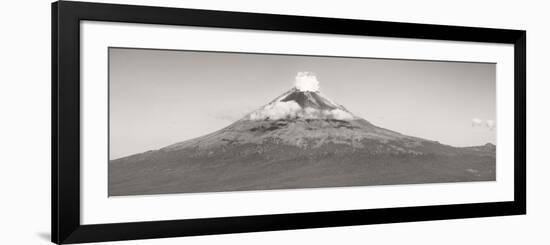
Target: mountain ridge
(301,139)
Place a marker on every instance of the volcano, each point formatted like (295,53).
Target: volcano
(301,139)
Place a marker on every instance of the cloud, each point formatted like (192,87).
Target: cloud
(306,81)
(230,113)
(490,124)
(341,114)
(291,110)
(476,122)
(276,111)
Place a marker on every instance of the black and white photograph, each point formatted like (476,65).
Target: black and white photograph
(192,121)
(275,122)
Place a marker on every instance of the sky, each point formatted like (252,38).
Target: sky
(161,97)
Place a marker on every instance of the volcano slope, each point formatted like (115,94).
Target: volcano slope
(299,140)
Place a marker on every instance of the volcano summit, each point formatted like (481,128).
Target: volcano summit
(301,139)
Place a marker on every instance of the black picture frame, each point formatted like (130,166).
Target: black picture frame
(65,168)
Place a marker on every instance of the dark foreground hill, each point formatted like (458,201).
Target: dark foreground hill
(273,166)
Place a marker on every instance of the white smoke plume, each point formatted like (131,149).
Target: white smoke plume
(306,81)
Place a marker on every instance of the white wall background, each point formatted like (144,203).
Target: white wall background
(25,121)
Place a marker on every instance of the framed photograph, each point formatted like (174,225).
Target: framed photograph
(174,122)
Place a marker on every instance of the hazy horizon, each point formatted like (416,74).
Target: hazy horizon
(161,97)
